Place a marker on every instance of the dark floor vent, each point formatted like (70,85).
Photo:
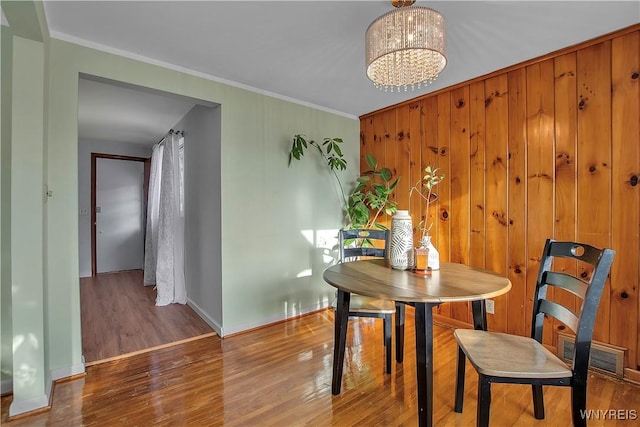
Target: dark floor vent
(605,358)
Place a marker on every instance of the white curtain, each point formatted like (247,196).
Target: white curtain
(164,256)
(153,206)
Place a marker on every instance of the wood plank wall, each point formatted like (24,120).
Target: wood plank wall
(547,148)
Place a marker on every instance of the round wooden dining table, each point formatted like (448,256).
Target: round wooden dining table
(375,278)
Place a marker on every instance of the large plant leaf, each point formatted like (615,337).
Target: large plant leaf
(371,161)
(393,186)
(385,173)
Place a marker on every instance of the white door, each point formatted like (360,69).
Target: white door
(119,215)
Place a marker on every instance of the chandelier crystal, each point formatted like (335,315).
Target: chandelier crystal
(405,48)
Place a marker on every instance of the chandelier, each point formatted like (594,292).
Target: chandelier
(405,47)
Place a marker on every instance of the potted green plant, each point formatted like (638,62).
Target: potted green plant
(424,188)
(371,195)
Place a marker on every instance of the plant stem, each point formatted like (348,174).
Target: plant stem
(344,198)
(326,159)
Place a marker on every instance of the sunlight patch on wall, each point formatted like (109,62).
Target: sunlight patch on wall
(304,273)
(325,241)
(24,373)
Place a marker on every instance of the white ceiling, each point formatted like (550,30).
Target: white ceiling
(313,51)
(107,112)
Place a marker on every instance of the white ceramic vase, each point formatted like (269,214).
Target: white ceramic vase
(434,255)
(401,245)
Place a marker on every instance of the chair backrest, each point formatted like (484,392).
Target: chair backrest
(589,291)
(360,242)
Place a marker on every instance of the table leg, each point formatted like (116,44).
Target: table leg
(340,339)
(424,362)
(479,315)
(400,332)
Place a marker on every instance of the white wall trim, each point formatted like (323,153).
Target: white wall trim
(208,320)
(27,405)
(141,58)
(23,406)
(67,371)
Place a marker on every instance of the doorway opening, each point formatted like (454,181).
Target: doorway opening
(119,187)
(118,123)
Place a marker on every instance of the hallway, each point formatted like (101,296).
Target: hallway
(119,317)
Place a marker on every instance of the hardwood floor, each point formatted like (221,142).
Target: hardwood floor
(119,317)
(280,375)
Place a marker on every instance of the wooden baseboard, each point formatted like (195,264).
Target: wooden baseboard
(450,323)
(632,375)
(29,413)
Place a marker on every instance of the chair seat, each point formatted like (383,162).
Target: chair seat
(503,355)
(362,304)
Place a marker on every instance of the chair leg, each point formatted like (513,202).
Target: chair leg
(484,401)
(579,405)
(387,340)
(538,402)
(460,368)
(399,332)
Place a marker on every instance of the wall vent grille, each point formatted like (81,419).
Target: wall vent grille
(605,358)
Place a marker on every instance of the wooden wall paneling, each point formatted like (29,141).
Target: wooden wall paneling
(416,112)
(429,154)
(573,139)
(459,210)
(477,175)
(594,160)
(382,145)
(389,159)
(517,203)
(430,158)
(540,169)
(402,164)
(379,138)
(625,231)
(444,188)
(496,106)
(566,106)
(367,137)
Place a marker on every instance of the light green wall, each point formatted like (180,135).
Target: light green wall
(277,222)
(27,19)
(265,205)
(6,70)
(27,216)
(203,212)
(24,84)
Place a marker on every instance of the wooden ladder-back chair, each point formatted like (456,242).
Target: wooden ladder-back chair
(363,306)
(504,358)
